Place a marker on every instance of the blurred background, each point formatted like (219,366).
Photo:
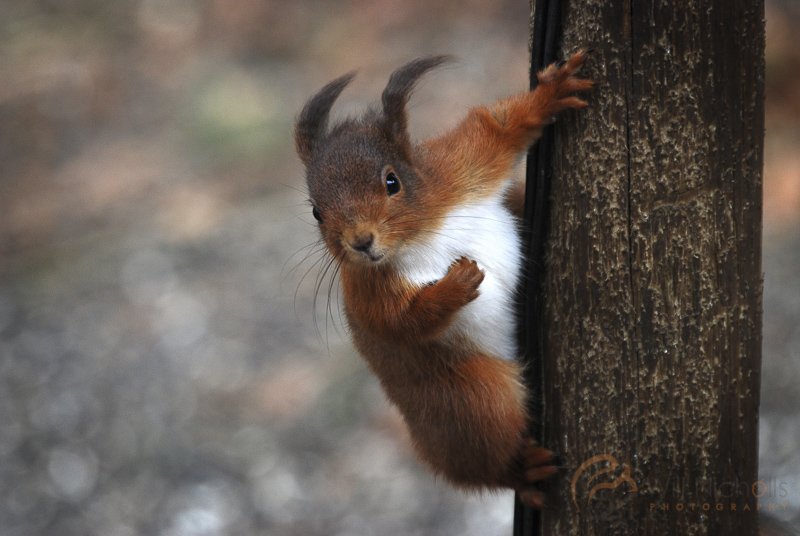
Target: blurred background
(163,367)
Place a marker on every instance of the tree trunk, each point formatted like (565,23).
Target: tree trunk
(652,293)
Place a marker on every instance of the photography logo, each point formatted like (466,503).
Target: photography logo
(625,477)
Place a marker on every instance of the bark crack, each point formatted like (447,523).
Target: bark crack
(628,97)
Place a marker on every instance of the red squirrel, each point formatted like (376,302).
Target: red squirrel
(427,244)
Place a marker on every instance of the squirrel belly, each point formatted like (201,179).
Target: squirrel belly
(487,233)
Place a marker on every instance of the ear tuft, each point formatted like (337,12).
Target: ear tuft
(313,120)
(396,95)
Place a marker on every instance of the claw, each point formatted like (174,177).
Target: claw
(533,498)
(541,473)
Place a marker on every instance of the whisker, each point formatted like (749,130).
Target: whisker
(318,244)
(316,263)
(393,216)
(329,313)
(423,231)
(332,262)
(295,188)
(321,250)
(436,218)
(320,277)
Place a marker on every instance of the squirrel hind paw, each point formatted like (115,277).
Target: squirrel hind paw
(538,462)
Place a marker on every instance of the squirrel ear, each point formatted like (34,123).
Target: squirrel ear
(397,93)
(313,120)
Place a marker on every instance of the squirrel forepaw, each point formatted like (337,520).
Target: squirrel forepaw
(561,83)
(466,275)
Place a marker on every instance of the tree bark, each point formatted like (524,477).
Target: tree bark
(652,292)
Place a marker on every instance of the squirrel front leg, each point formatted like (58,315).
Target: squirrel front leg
(482,149)
(521,118)
(414,314)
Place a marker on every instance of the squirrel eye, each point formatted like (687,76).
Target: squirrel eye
(315,213)
(392,183)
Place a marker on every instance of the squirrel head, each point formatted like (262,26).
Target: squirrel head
(363,187)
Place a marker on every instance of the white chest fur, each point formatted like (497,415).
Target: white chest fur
(486,233)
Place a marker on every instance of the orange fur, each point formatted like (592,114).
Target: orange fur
(465,408)
(480,152)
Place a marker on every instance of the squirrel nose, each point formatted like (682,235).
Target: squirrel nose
(362,243)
